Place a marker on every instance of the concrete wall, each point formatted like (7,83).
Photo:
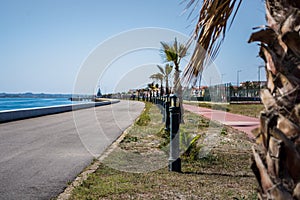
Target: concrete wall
(12,115)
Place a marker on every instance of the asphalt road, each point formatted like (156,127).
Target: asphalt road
(39,156)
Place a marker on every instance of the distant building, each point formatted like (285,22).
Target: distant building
(199,91)
(253,84)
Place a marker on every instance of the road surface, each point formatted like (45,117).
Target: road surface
(39,156)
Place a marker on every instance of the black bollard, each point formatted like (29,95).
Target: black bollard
(174,159)
(167,113)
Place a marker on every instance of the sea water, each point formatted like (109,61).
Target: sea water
(19,103)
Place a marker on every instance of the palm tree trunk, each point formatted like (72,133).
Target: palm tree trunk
(167,86)
(161,88)
(276,161)
(178,90)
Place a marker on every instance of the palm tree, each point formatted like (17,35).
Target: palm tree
(159,77)
(166,74)
(151,88)
(174,52)
(276,163)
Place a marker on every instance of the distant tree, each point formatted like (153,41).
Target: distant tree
(151,88)
(174,52)
(166,72)
(159,77)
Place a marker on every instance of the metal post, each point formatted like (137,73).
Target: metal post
(222,75)
(174,159)
(259,67)
(237,82)
(237,77)
(167,113)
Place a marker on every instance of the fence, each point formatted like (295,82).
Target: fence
(222,93)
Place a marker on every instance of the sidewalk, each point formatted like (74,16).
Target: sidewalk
(239,122)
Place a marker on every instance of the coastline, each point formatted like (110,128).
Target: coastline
(25,113)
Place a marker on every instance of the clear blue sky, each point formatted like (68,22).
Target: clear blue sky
(45,42)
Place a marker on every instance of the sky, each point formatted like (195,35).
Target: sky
(47,45)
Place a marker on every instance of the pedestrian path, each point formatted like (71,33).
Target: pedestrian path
(239,122)
(39,156)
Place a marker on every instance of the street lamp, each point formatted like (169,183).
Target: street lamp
(237,82)
(258,71)
(199,90)
(237,78)
(222,75)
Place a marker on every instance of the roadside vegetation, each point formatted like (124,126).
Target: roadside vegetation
(215,163)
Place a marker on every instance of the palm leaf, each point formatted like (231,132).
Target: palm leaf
(168,69)
(162,71)
(157,76)
(209,33)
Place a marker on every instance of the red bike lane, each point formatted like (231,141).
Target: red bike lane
(240,122)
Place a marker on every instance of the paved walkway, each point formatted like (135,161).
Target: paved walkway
(39,156)
(239,122)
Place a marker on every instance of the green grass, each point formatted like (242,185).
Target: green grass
(144,118)
(224,173)
(107,183)
(251,110)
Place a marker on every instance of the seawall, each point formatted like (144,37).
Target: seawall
(12,115)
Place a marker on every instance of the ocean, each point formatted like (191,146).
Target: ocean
(19,103)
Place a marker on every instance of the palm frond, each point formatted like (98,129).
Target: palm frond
(168,69)
(157,76)
(161,69)
(209,33)
(182,50)
(174,51)
(192,3)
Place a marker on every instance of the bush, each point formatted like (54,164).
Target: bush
(144,118)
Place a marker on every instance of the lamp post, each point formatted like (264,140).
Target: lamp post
(222,75)
(200,77)
(174,159)
(237,77)
(222,88)
(258,71)
(237,81)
